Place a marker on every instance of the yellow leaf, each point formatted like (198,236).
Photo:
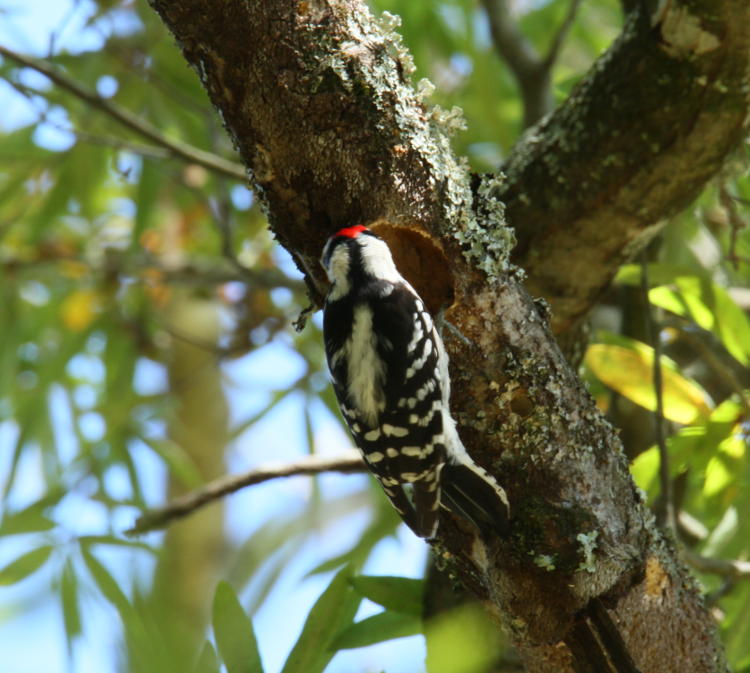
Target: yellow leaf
(72,268)
(629,371)
(734,445)
(79,308)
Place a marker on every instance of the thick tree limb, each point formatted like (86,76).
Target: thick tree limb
(350,461)
(316,97)
(638,139)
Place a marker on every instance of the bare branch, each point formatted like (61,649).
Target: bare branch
(128,119)
(510,42)
(562,32)
(735,570)
(736,223)
(698,340)
(145,267)
(347,462)
(531,70)
(666,511)
(150,151)
(531,73)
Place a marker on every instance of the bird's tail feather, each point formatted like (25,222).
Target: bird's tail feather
(472,493)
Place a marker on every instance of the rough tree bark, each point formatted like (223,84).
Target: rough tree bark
(653,121)
(317,98)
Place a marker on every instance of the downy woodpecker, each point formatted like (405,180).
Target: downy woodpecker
(390,375)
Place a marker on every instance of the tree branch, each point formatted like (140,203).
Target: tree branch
(562,32)
(734,570)
(666,513)
(531,72)
(177,148)
(596,180)
(350,461)
(147,268)
(699,340)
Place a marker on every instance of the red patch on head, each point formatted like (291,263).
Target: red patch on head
(352,232)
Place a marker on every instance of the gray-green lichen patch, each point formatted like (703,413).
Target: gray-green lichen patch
(545,561)
(588,546)
(425,89)
(375,59)
(389,25)
(486,240)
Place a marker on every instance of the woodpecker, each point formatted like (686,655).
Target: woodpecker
(390,375)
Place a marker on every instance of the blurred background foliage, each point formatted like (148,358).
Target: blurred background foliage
(147,348)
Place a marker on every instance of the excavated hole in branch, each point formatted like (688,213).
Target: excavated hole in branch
(420,261)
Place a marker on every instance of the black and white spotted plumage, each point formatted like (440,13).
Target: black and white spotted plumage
(390,375)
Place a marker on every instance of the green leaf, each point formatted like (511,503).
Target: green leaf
(207,660)
(711,307)
(145,644)
(378,628)
(723,533)
(738,620)
(333,612)
(658,274)
(718,477)
(150,182)
(401,594)
(696,298)
(69,603)
(25,565)
(116,542)
(234,633)
(645,469)
(106,583)
(629,369)
(463,640)
(29,520)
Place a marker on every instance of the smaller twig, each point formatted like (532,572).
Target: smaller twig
(347,462)
(148,151)
(734,570)
(715,596)
(509,41)
(530,69)
(691,334)
(736,223)
(145,268)
(666,516)
(562,32)
(128,119)
(523,60)
(224,227)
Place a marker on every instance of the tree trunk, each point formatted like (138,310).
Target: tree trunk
(191,561)
(317,98)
